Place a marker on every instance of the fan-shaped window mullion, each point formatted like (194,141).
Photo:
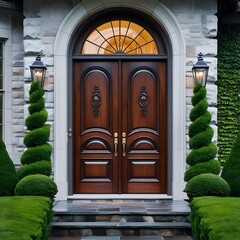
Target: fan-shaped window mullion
(114,37)
(133,40)
(126,34)
(99,47)
(106,40)
(119,36)
(140,47)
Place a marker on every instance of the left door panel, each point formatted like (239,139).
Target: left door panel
(95,120)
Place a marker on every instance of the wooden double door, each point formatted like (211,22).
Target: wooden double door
(119,126)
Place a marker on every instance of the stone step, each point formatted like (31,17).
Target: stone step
(123,238)
(120,228)
(153,225)
(119,218)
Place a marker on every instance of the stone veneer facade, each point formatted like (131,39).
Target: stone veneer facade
(38,32)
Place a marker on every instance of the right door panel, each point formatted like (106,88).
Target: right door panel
(144,127)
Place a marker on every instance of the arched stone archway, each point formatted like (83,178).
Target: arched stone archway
(177,124)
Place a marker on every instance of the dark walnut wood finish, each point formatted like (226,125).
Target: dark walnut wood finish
(119,126)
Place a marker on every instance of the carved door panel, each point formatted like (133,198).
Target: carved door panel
(119,127)
(95,118)
(144,167)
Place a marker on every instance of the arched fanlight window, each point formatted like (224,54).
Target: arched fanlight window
(119,37)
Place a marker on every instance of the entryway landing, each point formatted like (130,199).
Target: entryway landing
(122,219)
(122,206)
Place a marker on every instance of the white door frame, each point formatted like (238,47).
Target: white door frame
(169,23)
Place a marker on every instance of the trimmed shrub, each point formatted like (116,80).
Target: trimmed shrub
(201,139)
(212,166)
(215,218)
(37,136)
(37,119)
(25,218)
(199,94)
(36,92)
(41,167)
(231,170)
(38,153)
(37,106)
(198,110)
(36,185)
(202,154)
(201,176)
(36,159)
(8,176)
(200,124)
(207,184)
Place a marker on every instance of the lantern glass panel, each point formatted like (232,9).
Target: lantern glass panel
(38,74)
(200,75)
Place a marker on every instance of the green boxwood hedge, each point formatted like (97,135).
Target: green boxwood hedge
(25,218)
(231,170)
(8,175)
(215,218)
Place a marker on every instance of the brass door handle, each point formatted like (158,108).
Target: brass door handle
(115,144)
(124,141)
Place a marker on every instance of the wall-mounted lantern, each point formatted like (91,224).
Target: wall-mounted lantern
(38,71)
(200,71)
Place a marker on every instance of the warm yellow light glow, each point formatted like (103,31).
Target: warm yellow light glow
(199,75)
(120,37)
(38,76)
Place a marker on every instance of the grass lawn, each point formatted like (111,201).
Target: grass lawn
(215,218)
(25,217)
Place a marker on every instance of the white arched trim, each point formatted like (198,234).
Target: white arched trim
(71,22)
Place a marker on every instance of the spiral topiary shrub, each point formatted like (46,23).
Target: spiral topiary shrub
(207,184)
(8,176)
(41,167)
(203,154)
(211,166)
(37,106)
(37,153)
(37,119)
(231,170)
(200,159)
(203,151)
(37,136)
(36,185)
(36,159)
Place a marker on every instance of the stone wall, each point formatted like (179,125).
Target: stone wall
(18,121)
(40,26)
(199,25)
(41,23)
